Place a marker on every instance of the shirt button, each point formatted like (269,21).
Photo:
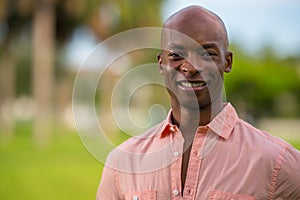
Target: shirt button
(175,192)
(176,153)
(135,197)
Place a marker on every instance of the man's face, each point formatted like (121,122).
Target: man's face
(193,61)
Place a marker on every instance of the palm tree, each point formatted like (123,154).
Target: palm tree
(50,23)
(43,31)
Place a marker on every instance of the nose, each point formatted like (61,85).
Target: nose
(188,69)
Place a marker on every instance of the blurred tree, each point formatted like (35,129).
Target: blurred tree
(264,85)
(25,18)
(48,25)
(13,20)
(115,16)
(43,31)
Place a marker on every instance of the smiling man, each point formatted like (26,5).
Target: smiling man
(203,150)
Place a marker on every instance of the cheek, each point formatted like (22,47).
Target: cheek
(170,71)
(170,79)
(175,64)
(218,69)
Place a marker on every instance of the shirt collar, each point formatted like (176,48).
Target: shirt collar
(222,124)
(167,127)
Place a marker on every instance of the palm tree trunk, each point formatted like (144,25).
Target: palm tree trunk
(7,93)
(43,70)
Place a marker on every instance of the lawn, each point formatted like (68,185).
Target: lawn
(63,170)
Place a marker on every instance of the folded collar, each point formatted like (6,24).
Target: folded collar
(222,124)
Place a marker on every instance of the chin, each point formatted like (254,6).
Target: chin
(195,105)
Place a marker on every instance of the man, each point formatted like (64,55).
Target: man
(203,150)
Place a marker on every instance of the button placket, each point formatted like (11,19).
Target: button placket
(176,166)
(193,172)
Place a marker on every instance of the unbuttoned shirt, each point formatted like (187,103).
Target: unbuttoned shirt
(229,159)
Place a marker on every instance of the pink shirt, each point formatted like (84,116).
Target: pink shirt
(230,159)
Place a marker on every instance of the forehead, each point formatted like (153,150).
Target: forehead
(193,26)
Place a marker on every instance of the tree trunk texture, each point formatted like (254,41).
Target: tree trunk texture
(7,94)
(43,71)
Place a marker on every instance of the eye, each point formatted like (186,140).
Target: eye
(208,54)
(175,56)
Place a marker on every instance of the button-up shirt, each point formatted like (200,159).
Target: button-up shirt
(229,159)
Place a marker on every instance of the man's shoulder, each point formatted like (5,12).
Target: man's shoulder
(146,138)
(259,138)
(138,153)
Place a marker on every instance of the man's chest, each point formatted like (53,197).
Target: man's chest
(192,177)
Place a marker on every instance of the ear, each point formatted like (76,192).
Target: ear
(160,63)
(229,60)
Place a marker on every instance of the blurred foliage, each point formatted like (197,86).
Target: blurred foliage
(117,15)
(264,84)
(23,73)
(105,18)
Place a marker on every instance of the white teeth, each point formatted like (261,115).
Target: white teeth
(188,84)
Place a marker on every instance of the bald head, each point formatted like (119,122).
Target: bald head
(192,18)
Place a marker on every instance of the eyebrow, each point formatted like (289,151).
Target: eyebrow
(210,46)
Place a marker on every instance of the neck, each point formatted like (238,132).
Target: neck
(190,118)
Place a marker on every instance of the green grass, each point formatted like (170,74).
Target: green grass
(296,144)
(62,170)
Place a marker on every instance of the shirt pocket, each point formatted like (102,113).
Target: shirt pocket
(143,195)
(219,195)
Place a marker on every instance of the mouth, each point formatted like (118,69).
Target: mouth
(195,85)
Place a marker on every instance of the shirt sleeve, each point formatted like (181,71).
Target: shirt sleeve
(108,188)
(288,184)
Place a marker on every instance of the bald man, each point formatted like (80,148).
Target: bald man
(202,150)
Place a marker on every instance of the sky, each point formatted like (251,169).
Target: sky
(255,23)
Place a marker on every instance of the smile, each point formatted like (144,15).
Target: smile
(187,84)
